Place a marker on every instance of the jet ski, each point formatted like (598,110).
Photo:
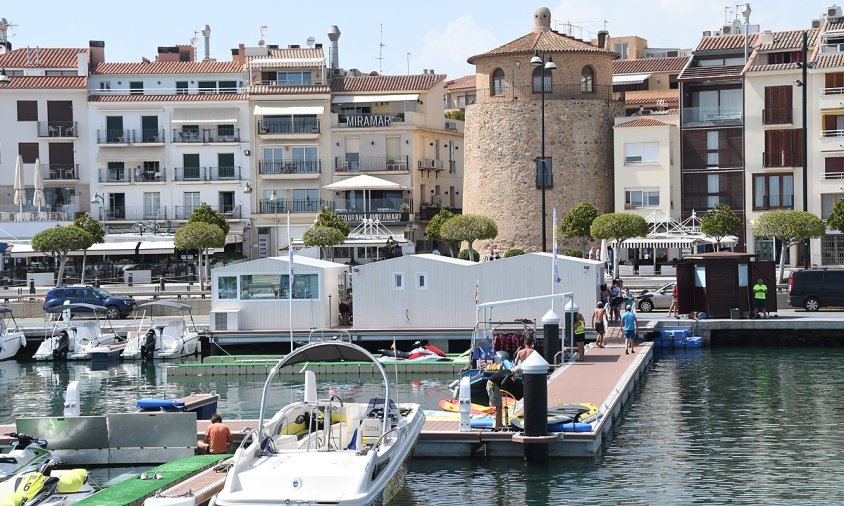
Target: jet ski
(427,353)
(47,487)
(27,454)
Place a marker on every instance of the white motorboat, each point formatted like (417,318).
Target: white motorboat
(74,340)
(27,454)
(11,336)
(165,339)
(324,451)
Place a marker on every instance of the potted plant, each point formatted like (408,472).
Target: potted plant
(404,209)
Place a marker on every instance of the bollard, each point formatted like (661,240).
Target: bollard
(31,286)
(551,334)
(535,379)
(571,311)
(161,283)
(131,276)
(464,405)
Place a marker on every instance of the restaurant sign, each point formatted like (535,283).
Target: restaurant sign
(368,120)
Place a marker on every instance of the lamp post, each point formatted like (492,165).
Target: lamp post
(274,200)
(805,65)
(542,163)
(99,198)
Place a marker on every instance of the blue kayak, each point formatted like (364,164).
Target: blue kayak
(159,405)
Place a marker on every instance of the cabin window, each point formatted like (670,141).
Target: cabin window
(398,281)
(421,280)
(260,286)
(700,276)
(305,286)
(227,287)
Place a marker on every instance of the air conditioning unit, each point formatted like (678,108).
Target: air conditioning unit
(707,33)
(834,12)
(816,23)
(451,125)
(435,164)
(427,164)
(727,30)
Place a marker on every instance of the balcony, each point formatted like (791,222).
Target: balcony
(188,137)
(371,163)
(286,127)
(428,211)
(58,129)
(115,137)
(152,136)
(269,167)
(266,206)
(132,213)
(60,171)
(207,173)
(709,116)
(781,159)
(133,175)
(832,140)
(120,175)
(230,212)
(777,116)
(216,135)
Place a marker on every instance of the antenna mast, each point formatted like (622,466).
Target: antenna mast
(381,51)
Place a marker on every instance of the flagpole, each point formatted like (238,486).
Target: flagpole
(554,249)
(290,280)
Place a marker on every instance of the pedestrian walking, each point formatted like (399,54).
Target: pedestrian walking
(675,304)
(631,329)
(598,316)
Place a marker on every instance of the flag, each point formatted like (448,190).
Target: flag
(477,283)
(289,251)
(556,275)
(393,346)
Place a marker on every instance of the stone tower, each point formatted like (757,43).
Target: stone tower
(503,132)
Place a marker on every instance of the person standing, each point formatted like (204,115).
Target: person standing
(631,329)
(675,304)
(760,295)
(615,301)
(592,253)
(580,336)
(598,316)
(218,436)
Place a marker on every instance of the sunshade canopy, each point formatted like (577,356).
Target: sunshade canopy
(363,182)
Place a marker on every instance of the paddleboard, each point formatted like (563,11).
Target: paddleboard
(453,405)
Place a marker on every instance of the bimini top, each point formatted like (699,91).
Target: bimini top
(180,306)
(328,351)
(87,307)
(5,310)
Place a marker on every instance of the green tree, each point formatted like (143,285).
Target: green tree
(835,220)
(59,241)
(329,218)
(618,227)
(458,114)
(93,227)
(207,214)
(432,229)
(201,237)
(790,228)
(578,223)
(720,221)
(324,237)
(469,228)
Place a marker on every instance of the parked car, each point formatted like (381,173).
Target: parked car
(813,289)
(660,298)
(117,306)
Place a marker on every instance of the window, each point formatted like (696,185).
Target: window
(273,160)
(587,80)
(152,205)
(538,80)
(225,166)
(27,110)
(498,82)
(305,286)
(192,201)
(260,286)
(672,82)
(105,86)
(622,49)
(297,78)
(29,151)
(641,153)
(783,148)
(352,154)
(305,158)
(181,87)
(206,87)
(773,191)
(833,125)
(827,201)
(832,249)
(700,276)
(306,200)
(713,188)
(712,148)
(785,57)
(421,280)
(641,197)
(136,88)
(777,105)
(834,167)
(228,86)
(398,281)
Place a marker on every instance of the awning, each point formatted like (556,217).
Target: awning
(24,251)
(134,154)
(677,241)
(363,182)
(290,110)
(360,99)
(156,247)
(110,248)
(629,79)
(199,116)
(105,248)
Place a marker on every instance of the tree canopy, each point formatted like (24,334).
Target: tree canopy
(59,241)
(329,218)
(207,214)
(432,229)
(835,220)
(790,228)
(199,236)
(92,226)
(618,227)
(720,221)
(322,236)
(469,228)
(578,222)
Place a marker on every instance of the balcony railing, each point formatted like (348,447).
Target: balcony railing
(428,211)
(289,167)
(832,175)
(231,212)
(832,133)
(832,91)
(267,206)
(371,163)
(776,116)
(152,136)
(158,175)
(188,136)
(781,159)
(292,126)
(58,129)
(133,213)
(121,175)
(207,173)
(60,171)
(112,136)
(711,115)
(130,174)
(222,135)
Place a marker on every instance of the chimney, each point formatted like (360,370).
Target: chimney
(81,64)
(542,20)
(96,50)
(206,32)
(334,51)
(602,39)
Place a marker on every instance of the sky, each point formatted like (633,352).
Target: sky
(427,34)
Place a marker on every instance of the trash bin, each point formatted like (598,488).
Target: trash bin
(735,313)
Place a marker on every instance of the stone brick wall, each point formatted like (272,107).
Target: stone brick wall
(502,141)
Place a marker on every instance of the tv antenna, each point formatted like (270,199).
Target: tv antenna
(381,46)
(261,41)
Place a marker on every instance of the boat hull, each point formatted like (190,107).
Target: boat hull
(10,344)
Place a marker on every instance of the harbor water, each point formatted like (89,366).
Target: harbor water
(716,426)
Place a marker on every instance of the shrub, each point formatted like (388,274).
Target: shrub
(573,252)
(514,252)
(464,255)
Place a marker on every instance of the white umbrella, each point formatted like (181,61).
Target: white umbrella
(38,196)
(604,254)
(20,193)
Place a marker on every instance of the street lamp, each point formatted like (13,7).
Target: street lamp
(804,85)
(274,200)
(542,163)
(99,198)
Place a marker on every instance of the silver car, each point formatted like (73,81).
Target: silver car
(660,298)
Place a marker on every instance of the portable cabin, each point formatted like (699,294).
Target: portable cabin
(719,282)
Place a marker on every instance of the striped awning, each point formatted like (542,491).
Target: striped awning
(622,79)
(676,241)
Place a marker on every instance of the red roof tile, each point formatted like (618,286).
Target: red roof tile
(168,98)
(725,42)
(461,83)
(297,53)
(649,65)
(831,60)
(353,84)
(725,72)
(169,67)
(644,97)
(834,27)
(545,42)
(45,82)
(791,39)
(45,57)
(643,122)
(288,90)
(772,66)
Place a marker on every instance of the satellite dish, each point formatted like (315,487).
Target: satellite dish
(194,42)
(311,41)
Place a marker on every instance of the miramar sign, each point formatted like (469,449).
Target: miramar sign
(368,120)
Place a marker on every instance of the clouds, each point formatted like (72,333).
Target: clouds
(446,50)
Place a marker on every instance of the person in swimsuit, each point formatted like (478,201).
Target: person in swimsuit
(598,316)
(580,336)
